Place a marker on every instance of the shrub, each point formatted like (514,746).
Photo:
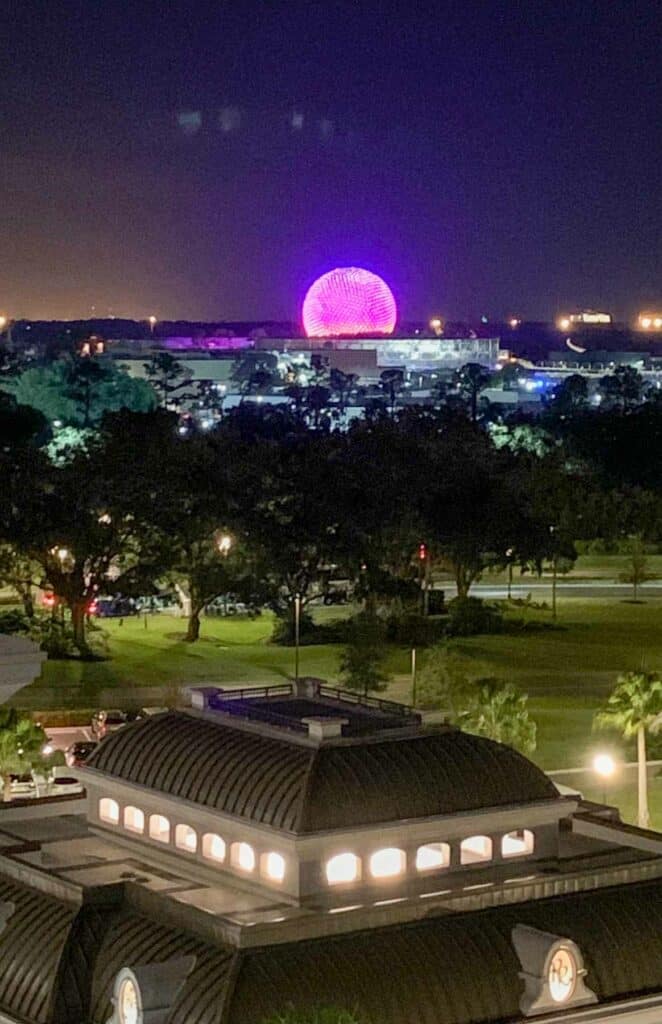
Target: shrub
(283,633)
(414,630)
(14,621)
(469,616)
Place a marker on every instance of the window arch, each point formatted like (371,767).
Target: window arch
(475,849)
(519,843)
(272,866)
(388,863)
(242,856)
(109,811)
(159,828)
(186,838)
(134,819)
(344,867)
(433,856)
(213,847)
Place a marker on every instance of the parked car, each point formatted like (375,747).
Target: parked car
(107,721)
(154,604)
(113,607)
(77,753)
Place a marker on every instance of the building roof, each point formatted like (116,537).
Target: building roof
(298,787)
(457,968)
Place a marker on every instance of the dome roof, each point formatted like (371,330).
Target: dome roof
(302,788)
(348,301)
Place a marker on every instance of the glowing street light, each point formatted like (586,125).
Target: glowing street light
(3,322)
(605,767)
(224,544)
(564,323)
(152,323)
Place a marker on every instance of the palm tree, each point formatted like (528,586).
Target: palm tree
(498,710)
(635,708)
(21,743)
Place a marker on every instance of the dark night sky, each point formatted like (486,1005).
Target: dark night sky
(484,157)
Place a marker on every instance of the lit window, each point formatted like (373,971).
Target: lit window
(159,828)
(213,847)
(475,849)
(186,838)
(109,810)
(134,819)
(387,863)
(272,866)
(433,855)
(562,975)
(517,844)
(242,856)
(344,867)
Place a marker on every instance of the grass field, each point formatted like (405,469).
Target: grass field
(567,670)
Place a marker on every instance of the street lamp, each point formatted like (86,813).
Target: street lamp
(224,543)
(605,767)
(509,555)
(152,323)
(297,630)
(552,532)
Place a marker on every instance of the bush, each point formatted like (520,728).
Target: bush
(362,661)
(53,637)
(469,616)
(14,621)
(283,633)
(414,630)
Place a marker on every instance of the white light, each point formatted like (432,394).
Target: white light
(564,323)
(159,828)
(517,844)
(604,765)
(475,849)
(657,322)
(47,749)
(213,847)
(134,819)
(562,975)
(224,544)
(273,866)
(186,838)
(645,322)
(243,856)
(387,863)
(432,855)
(344,867)
(109,810)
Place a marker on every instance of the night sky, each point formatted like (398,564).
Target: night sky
(498,158)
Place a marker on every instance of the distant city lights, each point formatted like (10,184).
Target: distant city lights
(650,321)
(349,301)
(586,318)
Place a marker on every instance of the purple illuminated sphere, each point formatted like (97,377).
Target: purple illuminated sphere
(348,301)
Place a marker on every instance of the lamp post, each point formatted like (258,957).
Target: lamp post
(552,531)
(604,766)
(297,625)
(509,556)
(152,324)
(224,544)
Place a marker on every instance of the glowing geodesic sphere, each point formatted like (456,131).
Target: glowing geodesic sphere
(348,301)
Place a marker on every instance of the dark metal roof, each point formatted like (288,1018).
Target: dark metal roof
(456,969)
(300,788)
(31,946)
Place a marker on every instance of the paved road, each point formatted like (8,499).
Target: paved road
(541,591)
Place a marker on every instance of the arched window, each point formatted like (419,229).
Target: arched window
(272,866)
(159,828)
(134,820)
(213,847)
(518,843)
(242,856)
(186,838)
(109,811)
(388,862)
(433,855)
(475,849)
(344,867)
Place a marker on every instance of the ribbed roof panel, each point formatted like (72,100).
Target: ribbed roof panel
(304,789)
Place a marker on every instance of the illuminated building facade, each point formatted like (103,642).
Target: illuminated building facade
(300,847)
(348,301)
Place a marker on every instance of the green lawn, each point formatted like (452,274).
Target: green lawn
(567,670)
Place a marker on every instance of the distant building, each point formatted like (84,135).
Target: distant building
(298,846)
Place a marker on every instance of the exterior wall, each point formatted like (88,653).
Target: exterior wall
(306,856)
(20,663)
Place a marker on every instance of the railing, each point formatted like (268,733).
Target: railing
(390,707)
